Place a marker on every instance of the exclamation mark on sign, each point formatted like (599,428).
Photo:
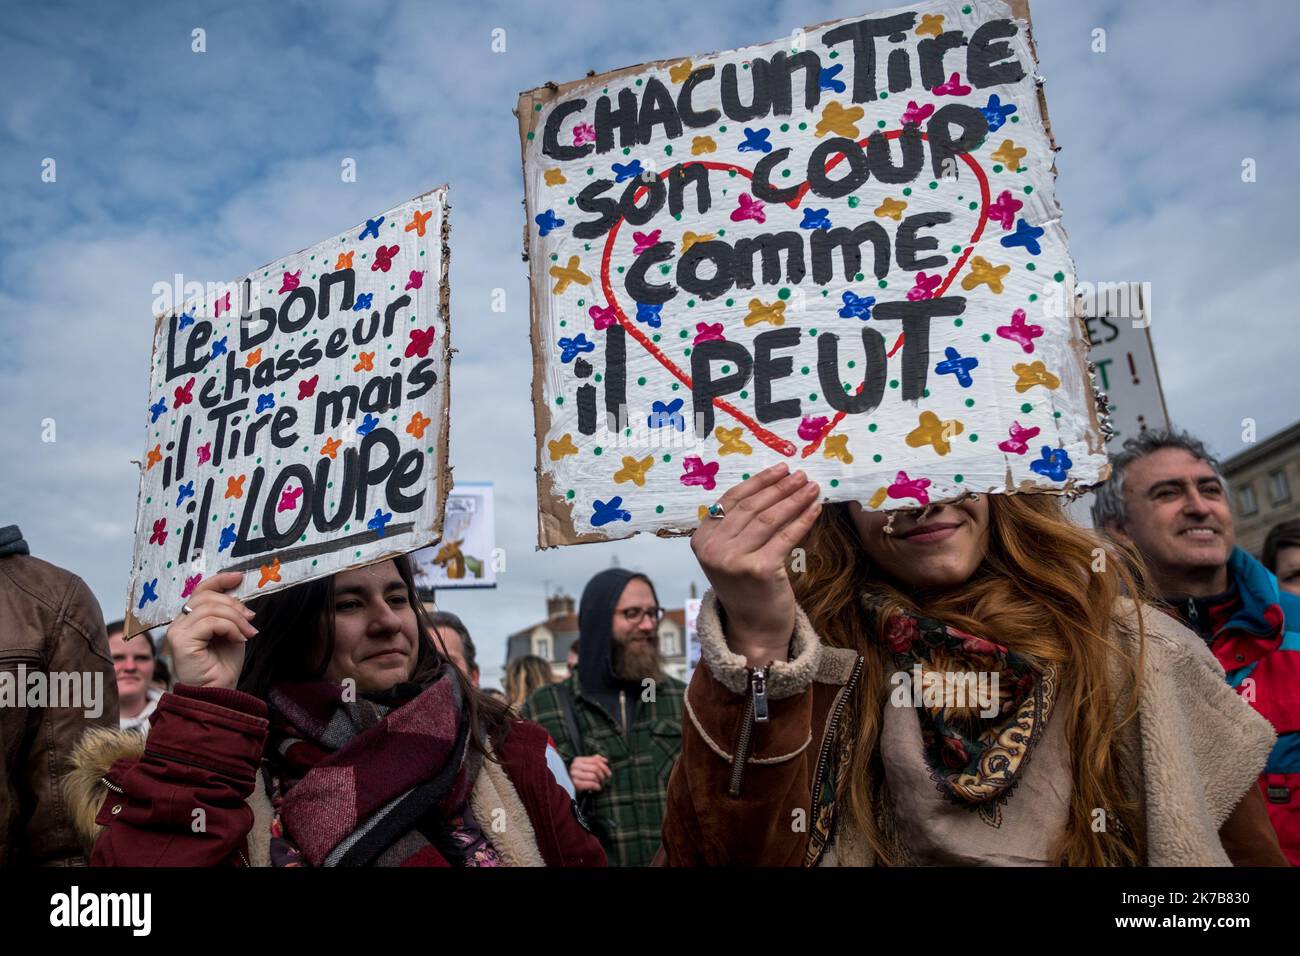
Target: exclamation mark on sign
(1132,367)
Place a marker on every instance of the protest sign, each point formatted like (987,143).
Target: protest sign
(1119,337)
(841,249)
(466,556)
(297,417)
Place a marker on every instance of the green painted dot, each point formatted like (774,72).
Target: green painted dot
(871,427)
(785,173)
(974,437)
(835,482)
(690,303)
(1026,407)
(785,127)
(970,403)
(876,458)
(1028,190)
(783,294)
(1030,266)
(675,386)
(641,380)
(893,383)
(880,124)
(805,125)
(627,150)
(959,478)
(598,376)
(1015,119)
(1033,297)
(884,96)
(655,337)
(1059,276)
(804,370)
(1056,414)
(854,201)
(985,337)
(907,190)
(974,205)
(668,150)
(563,323)
(933,184)
(956,250)
(882,283)
(687,351)
(559,400)
(813,333)
(745,477)
(668,457)
(722,129)
(569,493)
(997,167)
(598,450)
(530,137)
(957,322)
(744,393)
(834,53)
(966,9)
(812,397)
(659,509)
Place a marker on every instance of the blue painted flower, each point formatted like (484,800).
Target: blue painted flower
(1054,463)
(219,347)
(625,171)
(755,141)
(826,79)
(227,537)
(148,592)
(667,415)
(995,113)
(185,491)
(957,365)
(264,401)
(603,512)
(363,302)
(187,318)
(857,306)
(372,228)
(547,221)
(367,425)
(1025,235)
(816,219)
(572,348)
(157,408)
(380,521)
(649,314)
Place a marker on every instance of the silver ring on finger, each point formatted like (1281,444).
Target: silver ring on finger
(717,511)
(186,609)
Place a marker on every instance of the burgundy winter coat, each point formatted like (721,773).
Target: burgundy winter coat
(204,752)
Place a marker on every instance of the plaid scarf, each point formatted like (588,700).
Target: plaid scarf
(380,781)
(974,760)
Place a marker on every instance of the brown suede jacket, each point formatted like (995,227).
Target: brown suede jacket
(752,792)
(50,623)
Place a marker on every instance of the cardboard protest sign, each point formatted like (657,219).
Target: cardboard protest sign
(1118,322)
(466,556)
(297,418)
(836,249)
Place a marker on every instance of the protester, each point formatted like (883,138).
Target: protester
(372,749)
(1282,555)
(52,627)
(453,639)
(525,675)
(617,720)
(134,664)
(1167,498)
(831,721)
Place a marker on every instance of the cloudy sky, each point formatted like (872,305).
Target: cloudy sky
(211,164)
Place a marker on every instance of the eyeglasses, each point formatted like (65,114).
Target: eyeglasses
(634,615)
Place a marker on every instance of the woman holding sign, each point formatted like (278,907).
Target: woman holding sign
(320,727)
(962,684)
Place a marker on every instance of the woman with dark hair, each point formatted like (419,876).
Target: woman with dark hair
(320,727)
(967,683)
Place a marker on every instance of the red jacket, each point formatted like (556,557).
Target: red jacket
(204,752)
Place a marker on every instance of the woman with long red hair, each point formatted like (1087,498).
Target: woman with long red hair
(974,682)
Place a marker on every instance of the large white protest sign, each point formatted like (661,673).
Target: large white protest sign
(297,417)
(1118,321)
(840,249)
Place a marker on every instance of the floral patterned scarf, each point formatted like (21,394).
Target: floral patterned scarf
(975,754)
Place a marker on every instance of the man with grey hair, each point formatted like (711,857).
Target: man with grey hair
(1166,498)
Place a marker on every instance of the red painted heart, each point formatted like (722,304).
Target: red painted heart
(764,435)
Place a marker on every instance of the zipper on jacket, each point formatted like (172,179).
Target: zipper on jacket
(622,712)
(111,785)
(829,743)
(755,712)
(244,860)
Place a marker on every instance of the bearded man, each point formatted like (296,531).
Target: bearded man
(617,721)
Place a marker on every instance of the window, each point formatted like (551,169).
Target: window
(668,642)
(1246,500)
(1278,488)
(542,646)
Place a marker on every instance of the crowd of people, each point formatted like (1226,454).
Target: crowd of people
(970,683)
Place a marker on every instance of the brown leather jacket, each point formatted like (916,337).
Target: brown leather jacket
(764,793)
(50,623)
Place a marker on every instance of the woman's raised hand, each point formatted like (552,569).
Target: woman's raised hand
(208,643)
(743,555)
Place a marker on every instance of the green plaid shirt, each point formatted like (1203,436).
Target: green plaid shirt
(627,813)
